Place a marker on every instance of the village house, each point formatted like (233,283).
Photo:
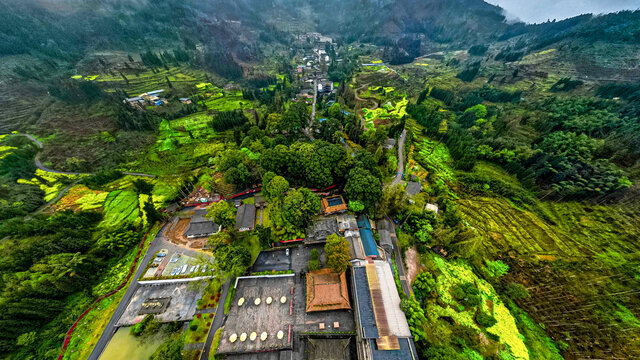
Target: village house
(246,217)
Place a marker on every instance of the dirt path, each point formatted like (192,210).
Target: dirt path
(413,264)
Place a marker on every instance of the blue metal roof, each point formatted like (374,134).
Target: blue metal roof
(365,306)
(366,237)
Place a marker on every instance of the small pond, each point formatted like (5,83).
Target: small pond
(124,346)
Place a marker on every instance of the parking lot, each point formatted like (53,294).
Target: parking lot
(176,264)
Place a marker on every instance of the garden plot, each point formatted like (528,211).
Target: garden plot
(385,113)
(81,197)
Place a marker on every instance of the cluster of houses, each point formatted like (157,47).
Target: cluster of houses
(317,314)
(321,314)
(302,313)
(151,98)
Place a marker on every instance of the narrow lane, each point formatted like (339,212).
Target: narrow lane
(313,110)
(218,321)
(402,272)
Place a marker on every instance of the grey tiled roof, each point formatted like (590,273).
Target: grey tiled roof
(202,229)
(413,188)
(246,216)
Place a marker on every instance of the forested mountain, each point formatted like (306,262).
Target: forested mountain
(64,29)
(524,137)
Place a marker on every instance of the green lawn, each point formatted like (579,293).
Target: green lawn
(229,299)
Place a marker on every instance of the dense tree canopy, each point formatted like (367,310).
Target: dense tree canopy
(337,253)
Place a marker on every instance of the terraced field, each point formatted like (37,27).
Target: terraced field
(580,267)
(610,228)
(149,81)
(17,106)
(500,228)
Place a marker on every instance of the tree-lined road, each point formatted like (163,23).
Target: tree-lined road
(401,141)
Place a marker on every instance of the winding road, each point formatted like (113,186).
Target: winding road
(40,166)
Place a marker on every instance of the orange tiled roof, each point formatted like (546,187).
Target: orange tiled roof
(327,290)
(333,209)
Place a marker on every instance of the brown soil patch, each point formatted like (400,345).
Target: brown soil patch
(414,266)
(546,257)
(175,234)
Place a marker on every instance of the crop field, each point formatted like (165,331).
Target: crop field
(434,156)
(197,125)
(81,197)
(120,207)
(591,305)
(611,228)
(228,102)
(413,168)
(413,126)
(445,311)
(578,266)
(384,114)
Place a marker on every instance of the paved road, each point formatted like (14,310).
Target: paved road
(159,242)
(313,110)
(218,321)
(402,273)
(401,141)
